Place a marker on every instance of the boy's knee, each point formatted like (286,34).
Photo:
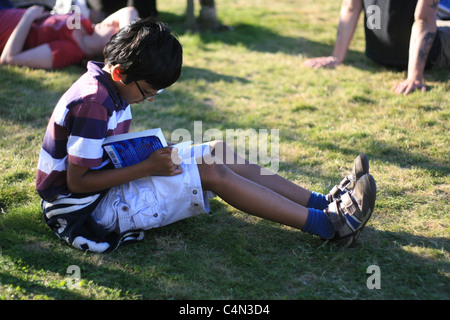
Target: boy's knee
(217,147)
(222,153)
(212,174)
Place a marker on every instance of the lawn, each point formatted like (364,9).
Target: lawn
(251,78)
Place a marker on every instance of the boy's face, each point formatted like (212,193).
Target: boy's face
(145,95)
(138,91)
(134,91)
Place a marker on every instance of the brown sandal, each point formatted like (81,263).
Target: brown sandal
(350,213)
(360,167)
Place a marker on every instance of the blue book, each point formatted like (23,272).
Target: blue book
(130,148)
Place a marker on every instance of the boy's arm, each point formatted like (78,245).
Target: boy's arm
(422,37)
(83,180)
(349,16)
(39,57)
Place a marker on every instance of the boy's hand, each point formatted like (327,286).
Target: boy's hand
(160,163)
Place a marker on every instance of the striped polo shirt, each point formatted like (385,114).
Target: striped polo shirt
(86,114)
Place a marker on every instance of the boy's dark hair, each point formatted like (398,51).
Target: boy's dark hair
(148,51)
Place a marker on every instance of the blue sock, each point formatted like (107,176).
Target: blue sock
(317,201)
(318,224)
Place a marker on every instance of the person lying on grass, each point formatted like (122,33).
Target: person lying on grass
(33,37)
(97,208)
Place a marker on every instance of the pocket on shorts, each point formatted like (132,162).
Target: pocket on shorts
(144,211)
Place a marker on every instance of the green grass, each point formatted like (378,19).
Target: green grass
(251,78)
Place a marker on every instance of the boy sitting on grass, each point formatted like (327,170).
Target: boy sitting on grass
(95,207)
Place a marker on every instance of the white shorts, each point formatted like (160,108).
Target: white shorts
(154,201)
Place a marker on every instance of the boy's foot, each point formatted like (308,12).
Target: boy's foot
(360,167)
(350,213)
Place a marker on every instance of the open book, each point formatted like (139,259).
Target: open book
(130,148)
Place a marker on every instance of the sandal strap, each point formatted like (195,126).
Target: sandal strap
(339,208)
(333,213)
(341,188)
(333,194)
(350,204)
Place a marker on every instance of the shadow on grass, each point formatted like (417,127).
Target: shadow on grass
(224,257)
(380,150)
(262,39)
(25,99)
(189,73)
(38,288)
(253,260)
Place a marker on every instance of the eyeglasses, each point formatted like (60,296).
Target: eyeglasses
(151,97)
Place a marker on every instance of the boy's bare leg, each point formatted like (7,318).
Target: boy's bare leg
(251,197)
(223,154)
(274,198)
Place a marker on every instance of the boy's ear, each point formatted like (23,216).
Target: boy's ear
(117,73)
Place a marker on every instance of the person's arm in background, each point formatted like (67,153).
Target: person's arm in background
(349,16)
(13,53)
(122,17)
(422,37)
